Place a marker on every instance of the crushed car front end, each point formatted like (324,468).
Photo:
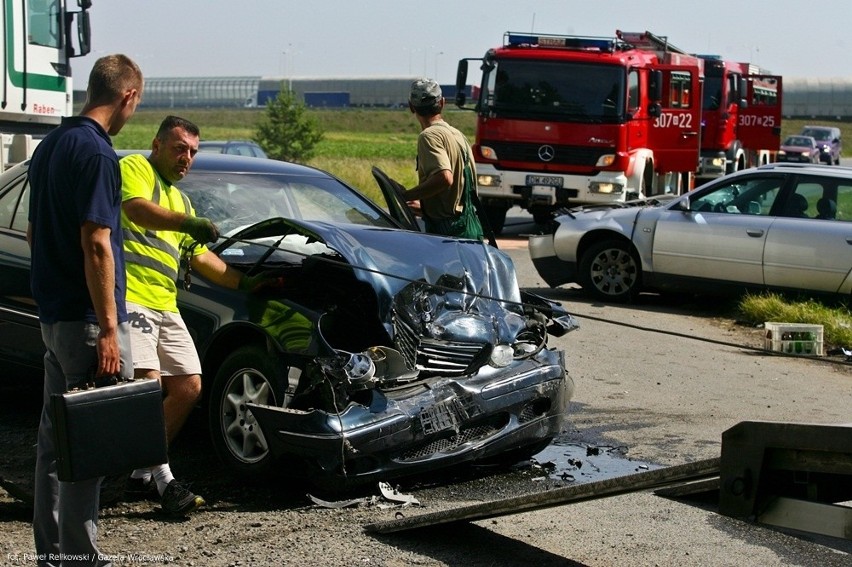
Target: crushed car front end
(461,373)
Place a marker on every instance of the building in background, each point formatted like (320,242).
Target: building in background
(803,98)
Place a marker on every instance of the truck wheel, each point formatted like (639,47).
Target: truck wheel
(496,215)
(249,374)
(609,270)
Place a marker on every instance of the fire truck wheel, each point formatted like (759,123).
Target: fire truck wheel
(610,270)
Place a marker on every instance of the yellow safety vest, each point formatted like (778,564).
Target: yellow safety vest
(152,257)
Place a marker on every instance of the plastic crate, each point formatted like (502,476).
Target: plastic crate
(793,338)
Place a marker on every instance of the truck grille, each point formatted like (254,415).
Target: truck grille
(563,155)
(445,358)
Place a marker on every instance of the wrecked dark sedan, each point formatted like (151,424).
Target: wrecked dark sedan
(380,351)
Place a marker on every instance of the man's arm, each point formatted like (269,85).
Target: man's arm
(152,216)
(99,266)
(433,185)
(214,269)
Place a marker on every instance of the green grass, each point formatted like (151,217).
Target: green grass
(835,319)
(354,140)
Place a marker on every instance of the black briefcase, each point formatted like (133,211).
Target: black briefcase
(108,430)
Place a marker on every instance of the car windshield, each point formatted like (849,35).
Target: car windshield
(752,196)
(821,135)
(236,200)
(797,141)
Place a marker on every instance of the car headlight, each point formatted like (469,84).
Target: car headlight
(782,153)
(487,152)
(501,356)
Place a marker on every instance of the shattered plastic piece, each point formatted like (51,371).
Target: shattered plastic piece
(394,495)
(338,503)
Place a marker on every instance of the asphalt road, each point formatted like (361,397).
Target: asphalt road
(662,380)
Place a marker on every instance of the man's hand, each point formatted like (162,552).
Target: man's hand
(201,229)
(257,282)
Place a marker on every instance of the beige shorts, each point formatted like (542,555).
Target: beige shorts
(159,340)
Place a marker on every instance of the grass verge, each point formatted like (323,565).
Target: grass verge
(835,319)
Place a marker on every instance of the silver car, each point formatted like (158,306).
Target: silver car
(779,226)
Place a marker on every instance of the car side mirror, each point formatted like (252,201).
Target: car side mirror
(681,205)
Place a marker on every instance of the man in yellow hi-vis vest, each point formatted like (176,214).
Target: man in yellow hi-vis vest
(159,226)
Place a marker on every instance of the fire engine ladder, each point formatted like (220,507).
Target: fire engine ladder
(648,41)
(782,474)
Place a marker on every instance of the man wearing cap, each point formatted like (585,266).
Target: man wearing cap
(442,153)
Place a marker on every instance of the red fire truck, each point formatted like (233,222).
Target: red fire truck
(582,120)
(569,120)
(741,121)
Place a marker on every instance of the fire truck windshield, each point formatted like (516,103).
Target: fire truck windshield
(554,90)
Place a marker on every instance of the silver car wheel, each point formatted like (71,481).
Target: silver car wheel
(610,271)
(240,429)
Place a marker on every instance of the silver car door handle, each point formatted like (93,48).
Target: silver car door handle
(754,232)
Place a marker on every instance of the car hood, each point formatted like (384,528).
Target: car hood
(391,259)
(614,212)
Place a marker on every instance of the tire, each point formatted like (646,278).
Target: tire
(247,374)
(610,270)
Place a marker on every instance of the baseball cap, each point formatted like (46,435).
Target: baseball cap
(424,92)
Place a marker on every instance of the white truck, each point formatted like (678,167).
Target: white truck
(39,39)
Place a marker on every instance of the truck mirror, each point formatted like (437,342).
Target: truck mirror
(461,81)
(84,33)
(742,101)
(656,86)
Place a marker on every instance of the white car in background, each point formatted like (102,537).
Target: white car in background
(780,226)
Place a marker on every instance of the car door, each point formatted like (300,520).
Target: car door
(721,236)
(808,252)
(20,332)
(394,203)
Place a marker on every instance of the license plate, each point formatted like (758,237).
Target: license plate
(546,180)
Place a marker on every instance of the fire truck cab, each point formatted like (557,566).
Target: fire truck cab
(571,120)
(741,122)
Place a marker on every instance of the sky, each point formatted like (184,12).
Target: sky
(405,38)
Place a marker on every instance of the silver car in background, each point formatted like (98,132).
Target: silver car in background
(779,226)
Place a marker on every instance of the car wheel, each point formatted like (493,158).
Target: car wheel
(249,374)
(609,270)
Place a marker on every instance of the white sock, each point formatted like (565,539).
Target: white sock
(162,476)
(144,474)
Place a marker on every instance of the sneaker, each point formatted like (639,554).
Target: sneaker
(179,501)
(140,489)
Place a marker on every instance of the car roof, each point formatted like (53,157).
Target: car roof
(809,168)
(205,161)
